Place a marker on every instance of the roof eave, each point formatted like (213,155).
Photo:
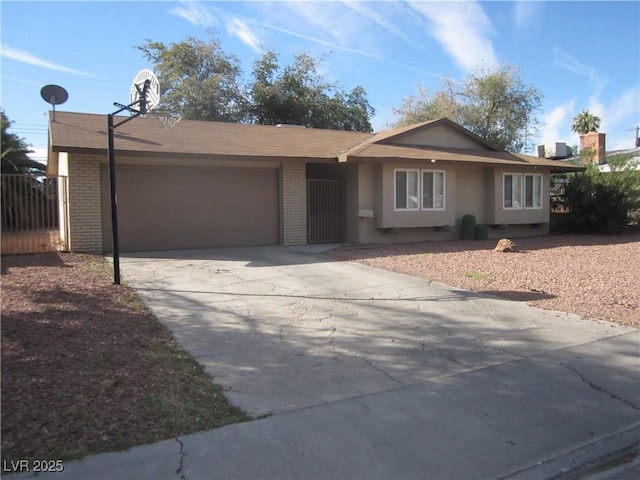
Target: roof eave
(488,162)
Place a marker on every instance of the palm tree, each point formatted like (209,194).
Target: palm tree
(585,122)
(15,152)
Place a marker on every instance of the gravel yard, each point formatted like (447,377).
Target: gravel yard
(594,276)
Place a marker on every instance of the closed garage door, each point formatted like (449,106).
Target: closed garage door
(163,207)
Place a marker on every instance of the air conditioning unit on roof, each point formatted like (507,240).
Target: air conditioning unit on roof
(555,150)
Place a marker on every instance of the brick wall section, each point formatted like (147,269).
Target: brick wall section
(85,214)
(294,203)
(594,141)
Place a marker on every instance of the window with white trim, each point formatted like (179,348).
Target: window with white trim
(406,189)
(432,190)
(533,191)
(519,194)
(416,189)
(512,191)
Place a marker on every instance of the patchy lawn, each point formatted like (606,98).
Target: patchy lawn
(86,368)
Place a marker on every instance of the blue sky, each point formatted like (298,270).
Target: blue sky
(580,55)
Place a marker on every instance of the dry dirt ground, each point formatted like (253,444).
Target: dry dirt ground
(86,368)
(594,276)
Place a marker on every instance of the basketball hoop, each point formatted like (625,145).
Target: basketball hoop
(166,118)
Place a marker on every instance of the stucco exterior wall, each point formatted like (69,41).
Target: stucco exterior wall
(85,215)
(521,216)
(368,202)
(440,136)
(470,194)
(388,217)
(469,189)
(293,183)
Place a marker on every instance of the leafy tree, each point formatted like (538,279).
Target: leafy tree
(603,202)
(198,79)
(423,107)
(495,105)
(15,151)
(297,94)
(585,122)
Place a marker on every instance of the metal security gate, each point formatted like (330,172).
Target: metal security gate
(33,214)
(326,211)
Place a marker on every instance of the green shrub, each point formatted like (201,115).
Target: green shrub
(482,232)
(602,202)
(468,227)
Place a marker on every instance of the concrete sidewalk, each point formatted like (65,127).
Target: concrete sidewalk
(537,418)
(373,374)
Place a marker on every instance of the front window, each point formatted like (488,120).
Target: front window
(415,189)
(519,193)
(406,189)
(432,190)
(512,191)
(533,191)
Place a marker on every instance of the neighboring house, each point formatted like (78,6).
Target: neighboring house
(206,184)
(632,154)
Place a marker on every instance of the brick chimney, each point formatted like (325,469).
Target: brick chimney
(594,141)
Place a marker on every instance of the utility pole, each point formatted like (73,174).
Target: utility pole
(637,129)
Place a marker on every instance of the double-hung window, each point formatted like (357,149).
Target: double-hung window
(407,190)
(432,190)
(522,191)
(415,190)
(533,191)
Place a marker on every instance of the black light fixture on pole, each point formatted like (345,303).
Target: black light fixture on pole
(144,99)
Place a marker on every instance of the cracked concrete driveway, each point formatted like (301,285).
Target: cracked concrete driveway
(284,328)
(375,374)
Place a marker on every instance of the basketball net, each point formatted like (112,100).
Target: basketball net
(167,119)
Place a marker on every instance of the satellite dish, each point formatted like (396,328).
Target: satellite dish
(146,82)
(55,95)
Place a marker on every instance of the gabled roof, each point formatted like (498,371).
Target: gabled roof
(399,152)
(386,146)
(388,136)
(146,137)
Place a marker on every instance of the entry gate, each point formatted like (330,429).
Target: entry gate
(326,211)
(33,213)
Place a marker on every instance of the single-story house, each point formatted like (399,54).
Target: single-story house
(632,155)
(209,184)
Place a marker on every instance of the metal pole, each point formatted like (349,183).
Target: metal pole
(114,202)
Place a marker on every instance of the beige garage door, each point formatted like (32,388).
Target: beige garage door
(164,208)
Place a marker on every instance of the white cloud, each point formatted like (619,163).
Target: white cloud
(527,15)
(240,29)
(556,125)
(26,57)
(326,19)
(195,13)
(618,119)
(382,20)
(621,108)
(566,61)
(463,30)
(338,42)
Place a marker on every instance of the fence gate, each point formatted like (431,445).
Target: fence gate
(33,215)
(326,211)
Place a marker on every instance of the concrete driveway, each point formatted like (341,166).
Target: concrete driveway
(375,374)
(285,328)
